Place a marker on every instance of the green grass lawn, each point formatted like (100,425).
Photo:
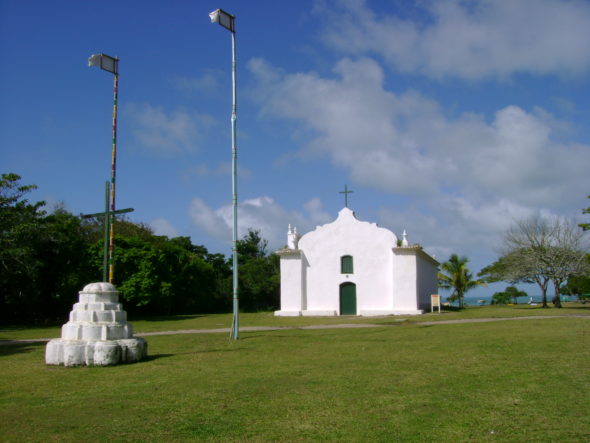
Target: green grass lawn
(216,321)
(502,381)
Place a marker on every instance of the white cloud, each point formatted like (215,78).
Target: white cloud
(472,176)
(161,226)
(226,169)
(211,221)
(223,169)
(315,211)
(167,133)
(261,213)
(455,225)
(471,40)
(405,144)
(200,170)
(208,82)
(565,105)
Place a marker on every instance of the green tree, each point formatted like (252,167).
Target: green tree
(567,254)
(510,294)
(540,251)
(578,285)
(259,280)
(518,266)
(585,226)
(193,280)
(65,262)
(43,258)
(251,246)
(19,223)
(456,276)
(159,275)
(20,226)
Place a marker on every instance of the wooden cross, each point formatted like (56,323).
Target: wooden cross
(346,192)
(109,216)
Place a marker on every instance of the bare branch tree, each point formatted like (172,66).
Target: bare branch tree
(526,248)
(538,250)
(567,255)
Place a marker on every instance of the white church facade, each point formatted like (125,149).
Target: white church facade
(353,267)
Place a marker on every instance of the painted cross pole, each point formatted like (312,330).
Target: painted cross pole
(109,219)
(346,192)
(110,64)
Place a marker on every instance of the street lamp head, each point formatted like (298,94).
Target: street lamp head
(224,19)
(105,62)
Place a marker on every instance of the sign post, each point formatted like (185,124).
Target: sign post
(434,302)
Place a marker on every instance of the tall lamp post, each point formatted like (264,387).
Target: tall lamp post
(228,22)
(110,64)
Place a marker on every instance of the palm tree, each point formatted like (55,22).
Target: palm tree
(456,275)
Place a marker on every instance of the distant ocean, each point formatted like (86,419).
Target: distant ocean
(475,301)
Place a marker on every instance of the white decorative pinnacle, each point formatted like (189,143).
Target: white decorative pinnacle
(405,238)
(292,238)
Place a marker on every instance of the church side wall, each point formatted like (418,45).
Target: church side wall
(427,281)
(292,283)
(406,279)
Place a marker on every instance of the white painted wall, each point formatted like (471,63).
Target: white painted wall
(369,245)
(428,280)
(292,281)
(388,279)
(405,280)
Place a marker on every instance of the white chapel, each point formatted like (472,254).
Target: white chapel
(353,267)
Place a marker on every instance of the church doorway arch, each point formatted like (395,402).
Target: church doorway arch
(347,299)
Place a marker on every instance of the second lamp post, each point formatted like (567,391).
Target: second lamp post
(228,22)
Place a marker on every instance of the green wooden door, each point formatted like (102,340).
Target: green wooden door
(347,299)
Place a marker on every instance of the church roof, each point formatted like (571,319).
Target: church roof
(346,216)
(347,220)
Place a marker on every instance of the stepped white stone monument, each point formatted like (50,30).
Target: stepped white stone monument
(98,333)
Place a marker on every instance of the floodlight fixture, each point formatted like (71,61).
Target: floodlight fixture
(105,62)
(224,19)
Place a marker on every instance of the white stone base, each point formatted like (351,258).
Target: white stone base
(97,334)
(375,313)
(95,353)
(363,313)
(287,313)
(319,313)
(306,313)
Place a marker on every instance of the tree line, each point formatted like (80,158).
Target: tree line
(47,257)
(545,252)
(542,251)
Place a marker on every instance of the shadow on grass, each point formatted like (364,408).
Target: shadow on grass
(542,309)
(395,323)
(29,327)
(156,357)
(532,308)
(454,308)
(165,317)
(19,348)
(252,336)
(306,337)
(153,357)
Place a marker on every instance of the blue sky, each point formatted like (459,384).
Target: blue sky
(449,119)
